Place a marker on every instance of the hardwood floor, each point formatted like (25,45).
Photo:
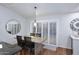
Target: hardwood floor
(48,52)
(59,51)
(63,51)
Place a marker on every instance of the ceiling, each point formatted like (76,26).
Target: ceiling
(43,9)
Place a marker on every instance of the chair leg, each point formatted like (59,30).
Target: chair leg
(31,51)
(21,52)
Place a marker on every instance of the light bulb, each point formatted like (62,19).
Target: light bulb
(1,46)
(35,24)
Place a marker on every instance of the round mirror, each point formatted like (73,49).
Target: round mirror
(13,27)
(74,24)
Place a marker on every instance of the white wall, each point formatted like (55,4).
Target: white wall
(5,15)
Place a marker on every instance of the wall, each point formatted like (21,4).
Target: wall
(5,15)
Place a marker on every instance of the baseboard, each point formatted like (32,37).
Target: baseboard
(65,47)
(50,47)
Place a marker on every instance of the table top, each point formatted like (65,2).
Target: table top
(37,39)
(9,49)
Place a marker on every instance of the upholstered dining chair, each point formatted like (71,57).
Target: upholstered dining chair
(20,43)
(19,40)
(29,44)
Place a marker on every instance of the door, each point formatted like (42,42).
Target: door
(45,31)
(52,33)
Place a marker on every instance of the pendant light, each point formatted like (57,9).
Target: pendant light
(35,24)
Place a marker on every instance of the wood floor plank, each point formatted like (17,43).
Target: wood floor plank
(59,51)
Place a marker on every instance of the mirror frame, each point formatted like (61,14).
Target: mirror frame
(11,21)
(73,25)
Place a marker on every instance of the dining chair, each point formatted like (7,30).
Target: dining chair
(29,44)
(20,43)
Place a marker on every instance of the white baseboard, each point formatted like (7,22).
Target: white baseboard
(50,47)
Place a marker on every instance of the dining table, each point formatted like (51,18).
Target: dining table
(38,44)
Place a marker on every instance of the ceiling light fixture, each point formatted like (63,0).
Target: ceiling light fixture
(35,24)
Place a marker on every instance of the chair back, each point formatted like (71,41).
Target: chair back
(19,40)
(27,39)
(28,42)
